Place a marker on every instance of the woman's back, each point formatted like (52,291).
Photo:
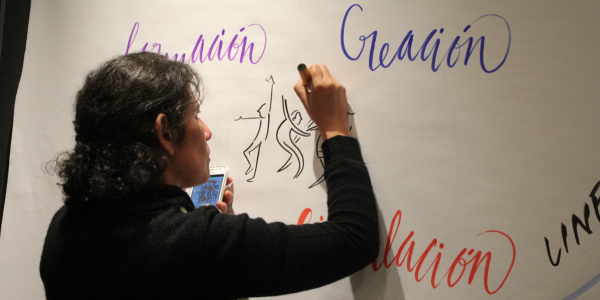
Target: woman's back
(151,243)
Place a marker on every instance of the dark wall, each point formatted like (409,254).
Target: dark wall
(12,52)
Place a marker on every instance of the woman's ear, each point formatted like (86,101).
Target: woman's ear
(164,134)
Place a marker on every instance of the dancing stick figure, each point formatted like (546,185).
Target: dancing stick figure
(288,134)
(261,135)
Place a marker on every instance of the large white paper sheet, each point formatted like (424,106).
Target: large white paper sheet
(477,121)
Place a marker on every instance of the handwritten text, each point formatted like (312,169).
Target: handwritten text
(217,50)
(576,221)
(405,50)
(464,260)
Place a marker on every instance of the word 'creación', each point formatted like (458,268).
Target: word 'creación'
(405,48)
(218,50)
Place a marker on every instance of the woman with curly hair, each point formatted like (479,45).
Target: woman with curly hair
(129,231)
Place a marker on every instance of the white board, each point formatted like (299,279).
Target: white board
(492,157)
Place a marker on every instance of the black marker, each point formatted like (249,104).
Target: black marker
(305,75)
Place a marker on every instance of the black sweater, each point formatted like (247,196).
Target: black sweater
(159,247)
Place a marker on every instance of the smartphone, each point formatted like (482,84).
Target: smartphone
(212,191)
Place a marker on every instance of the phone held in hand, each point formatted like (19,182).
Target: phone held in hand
(212,191)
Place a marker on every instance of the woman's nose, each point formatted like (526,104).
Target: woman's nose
(207,132)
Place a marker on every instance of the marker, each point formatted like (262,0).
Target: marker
(305,75)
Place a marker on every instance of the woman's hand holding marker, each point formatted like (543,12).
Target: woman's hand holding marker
(324,99)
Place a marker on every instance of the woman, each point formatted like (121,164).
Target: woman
(129,231)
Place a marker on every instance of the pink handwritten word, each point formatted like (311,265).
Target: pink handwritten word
(460,263)
(216,50)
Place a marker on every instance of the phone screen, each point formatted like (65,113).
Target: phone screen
(208,193)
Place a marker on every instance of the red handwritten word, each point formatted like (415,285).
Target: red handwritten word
(475,261)
(305,214)
(459,262)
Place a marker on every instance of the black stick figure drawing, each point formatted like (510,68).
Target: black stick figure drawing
(319,152)
(252,153)
(289,133)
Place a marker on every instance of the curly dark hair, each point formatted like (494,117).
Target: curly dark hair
(117,153)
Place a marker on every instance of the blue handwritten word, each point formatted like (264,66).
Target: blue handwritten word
(216,49)
(405,48)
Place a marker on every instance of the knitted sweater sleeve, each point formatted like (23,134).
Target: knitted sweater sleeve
(255,258)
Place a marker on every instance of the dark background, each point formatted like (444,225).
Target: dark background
(14,19)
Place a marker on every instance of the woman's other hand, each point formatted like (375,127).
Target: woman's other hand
(226,204)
